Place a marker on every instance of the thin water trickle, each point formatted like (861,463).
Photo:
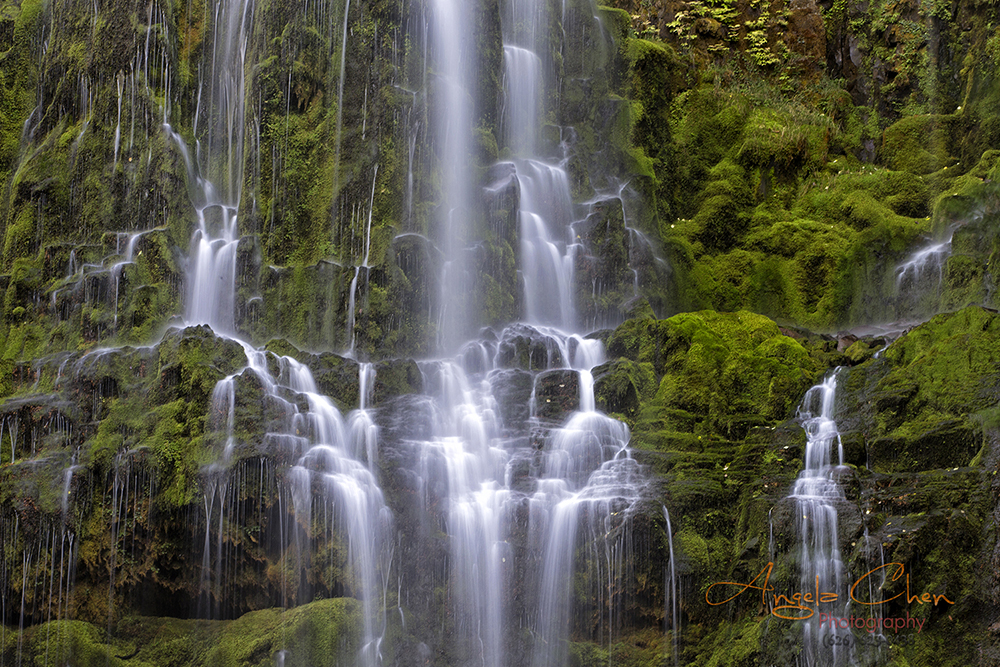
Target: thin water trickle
(340,99)
(817,495)
(119,84)
(929,260)
(672,603)
(352,292)
(920,280)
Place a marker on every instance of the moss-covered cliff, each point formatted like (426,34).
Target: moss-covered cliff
(743,174)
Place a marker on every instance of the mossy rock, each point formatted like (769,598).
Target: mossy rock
(919,403)
(396,377)
(919,144)
(324,632)
(621,386)
(733,370)
(319,633)
(952,359)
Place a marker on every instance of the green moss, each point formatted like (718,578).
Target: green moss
(313,634)
(70,642)
(18,79)
(732,370)
(20,237)
(319,633)
(733,643)
(948,358)
(919,144)
(773,140)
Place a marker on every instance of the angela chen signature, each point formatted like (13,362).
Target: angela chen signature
(804,604)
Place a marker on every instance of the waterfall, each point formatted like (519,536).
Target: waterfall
(672,603)
(817,494)
(511,512)
(451,33)
(519,487)
(522,81)
(221,122)
(547,261)
(333,491)
(546,208)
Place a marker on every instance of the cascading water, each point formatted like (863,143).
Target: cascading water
(333,486)
(546,209)
(817,495)
(511,484)
(451,33)
(547,263)
(516,494)
(514,512)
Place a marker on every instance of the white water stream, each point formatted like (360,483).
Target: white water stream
(817,495)
(519,498)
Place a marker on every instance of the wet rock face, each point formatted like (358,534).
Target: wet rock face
(512,389)
(524,347)
(760,201)
(606,275)
(557,394)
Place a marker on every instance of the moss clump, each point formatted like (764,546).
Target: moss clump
(622,386)
(319,633)
(68,642)
(920,144)
(916,402)
(720,373)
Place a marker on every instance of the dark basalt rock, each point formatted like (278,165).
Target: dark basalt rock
(524,347)
(512,390)
(557,395)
